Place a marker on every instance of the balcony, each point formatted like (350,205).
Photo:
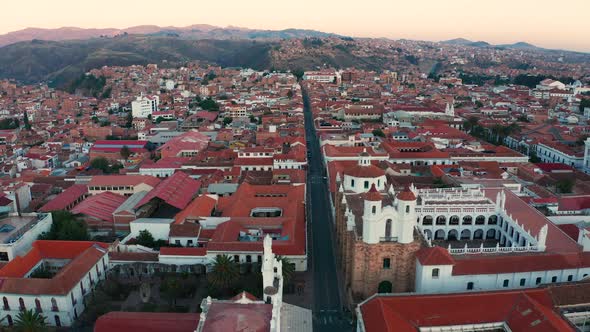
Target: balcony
(388,239)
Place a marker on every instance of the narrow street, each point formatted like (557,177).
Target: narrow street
(327,306)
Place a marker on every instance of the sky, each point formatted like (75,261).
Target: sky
(546,23)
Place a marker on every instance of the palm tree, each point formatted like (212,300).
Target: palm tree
(224,274)
(288,269)
(30,321)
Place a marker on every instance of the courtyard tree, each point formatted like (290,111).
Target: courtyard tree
(224,274)
(145,238)
(65,226)
(30,321)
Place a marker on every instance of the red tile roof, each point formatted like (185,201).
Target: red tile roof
(406,195)
(123,180)
(174,251)
(434,256)
(82,255)
(521,310)
(120,321)
(65,198)
(362,171)
(224,316)
(101,206)
(177,191)
(373,195)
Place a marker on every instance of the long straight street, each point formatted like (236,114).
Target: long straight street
(327,307)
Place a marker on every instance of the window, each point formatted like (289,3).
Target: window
(9,319)
(435,273)
(554,279)
(54,305)
(570,277)
(237,258)
(374,209)
(522,281)
(538,281)
(470,285)
(259,258)
(386,263)
(248,259)
(21,304)
(189,243)
(388,228)
(57,321)
(366,184)
(506,283)
(38,306)
(5,302)
(352,182)
(407,209)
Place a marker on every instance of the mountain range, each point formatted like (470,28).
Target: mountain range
(467,42)
(197,31)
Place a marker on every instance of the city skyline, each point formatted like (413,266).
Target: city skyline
(499,22)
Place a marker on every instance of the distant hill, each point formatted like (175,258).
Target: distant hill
(467,42)
(59,62)
(197,31)
(457,41)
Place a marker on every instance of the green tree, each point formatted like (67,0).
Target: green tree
(125,152)
(65,226)
(290,94)
(298,73)
(378,132)
(584,103)
(30,321)
(101,163)
(26,121)
(288,269)
(565,186)
(145,238)
(224,274)
(171,288)
(227,120)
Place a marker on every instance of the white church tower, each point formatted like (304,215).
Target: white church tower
(406,212)
(272,283)
(450,109)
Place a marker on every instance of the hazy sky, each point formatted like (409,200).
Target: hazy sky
(548,23)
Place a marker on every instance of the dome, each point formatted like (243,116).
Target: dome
(366,171)
(406,195)
(373,195)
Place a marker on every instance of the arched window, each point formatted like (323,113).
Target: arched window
(480,220)
(467,220)
(454,220)
(427,221)
(38,305)
(441,220)
(21,304)
(54,306)
(478,234)
(388,228)
(57,321)
(491,234)
(385,287)
(9,319)
(5,302)
(435,272)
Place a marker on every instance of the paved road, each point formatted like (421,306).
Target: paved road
(327,307)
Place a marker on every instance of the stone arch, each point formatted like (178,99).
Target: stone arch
(467,220)
(465,234)
(427,220)
(385,287)
(428,234)
(493,219)
(478,234)
(454,220)
(491,234)
(441,220)
(480,220)
(439,235)
(453,235)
